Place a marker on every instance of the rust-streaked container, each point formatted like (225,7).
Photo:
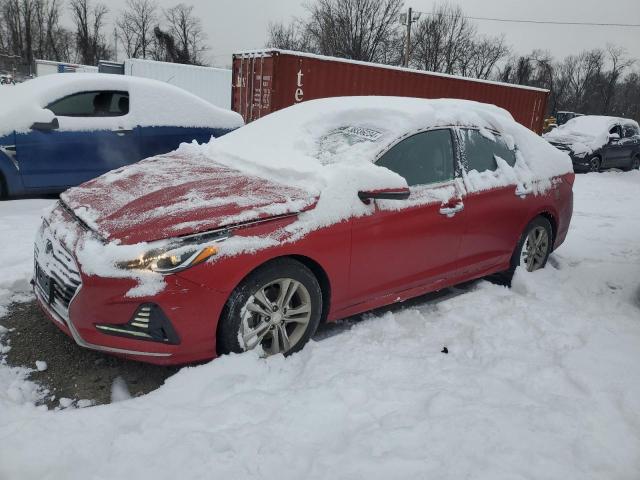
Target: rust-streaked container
(269,80)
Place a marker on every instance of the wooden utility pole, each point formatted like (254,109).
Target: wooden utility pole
(408,45)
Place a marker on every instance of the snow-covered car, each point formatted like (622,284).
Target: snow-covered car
(61,130)
(596,142)
(313,213)
(7,80)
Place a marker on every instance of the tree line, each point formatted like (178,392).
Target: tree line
(32,29)
(600,81)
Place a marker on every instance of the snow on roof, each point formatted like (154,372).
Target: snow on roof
(293,143)
(587,133)
(271,51)
(153,103)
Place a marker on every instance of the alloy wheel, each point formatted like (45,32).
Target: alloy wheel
(594,164)
(635,165)
(535,249)
(276,316)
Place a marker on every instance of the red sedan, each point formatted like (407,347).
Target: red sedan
(314,213)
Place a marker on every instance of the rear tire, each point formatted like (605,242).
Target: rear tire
(3,189)
(595,164)
(532,250)
(635,163)
(278,306)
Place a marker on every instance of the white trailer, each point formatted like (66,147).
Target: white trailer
(208,83)
(48,67)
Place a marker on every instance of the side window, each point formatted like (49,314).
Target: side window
(629,131)
(92,104)
(617,130)
(479,151)
(423,158)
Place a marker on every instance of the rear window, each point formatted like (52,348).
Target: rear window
(341,139)
(92,104)
(480,149)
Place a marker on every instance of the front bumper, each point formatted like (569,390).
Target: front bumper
(93,310)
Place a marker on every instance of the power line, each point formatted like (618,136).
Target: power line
(541,22)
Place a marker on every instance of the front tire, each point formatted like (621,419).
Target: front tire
(278,307)
(595,164)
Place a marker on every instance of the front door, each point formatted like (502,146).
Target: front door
(94,136)
(413,243)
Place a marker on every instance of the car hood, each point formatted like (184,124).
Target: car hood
(178,194)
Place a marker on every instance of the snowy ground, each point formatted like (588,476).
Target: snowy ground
(542,381)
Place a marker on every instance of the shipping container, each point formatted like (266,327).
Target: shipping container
(208,83)
(269,80)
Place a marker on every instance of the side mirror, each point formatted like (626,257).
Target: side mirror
(613,136)
(46,126)
(384,194)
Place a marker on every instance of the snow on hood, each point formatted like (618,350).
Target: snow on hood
(152,103)
(181,194)
(320,153)
(585,134)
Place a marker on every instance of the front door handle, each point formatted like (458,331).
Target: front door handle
(451,210)
(122,131)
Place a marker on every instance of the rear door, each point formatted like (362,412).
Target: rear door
(629,145)
(94,136)
(615,152)
(493,204)
(413,243)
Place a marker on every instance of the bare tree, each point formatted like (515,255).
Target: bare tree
(183,40)
(355,29)
(134,27)
(31,29)
(482,57)
(442,40)
(294,36)
(90,21)
(618,63)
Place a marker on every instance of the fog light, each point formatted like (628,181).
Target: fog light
(149,323)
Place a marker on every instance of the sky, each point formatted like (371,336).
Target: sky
(235,25)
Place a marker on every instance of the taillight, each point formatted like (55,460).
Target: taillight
(570,178)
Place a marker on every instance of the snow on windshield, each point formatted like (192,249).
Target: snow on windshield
(153,103)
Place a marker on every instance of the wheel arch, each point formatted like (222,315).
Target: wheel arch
(10,177)
(552,220)
(316,268)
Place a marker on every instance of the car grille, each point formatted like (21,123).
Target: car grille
(56,275)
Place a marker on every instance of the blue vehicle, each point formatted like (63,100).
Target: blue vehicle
(61,130)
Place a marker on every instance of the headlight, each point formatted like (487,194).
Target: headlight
(178,255)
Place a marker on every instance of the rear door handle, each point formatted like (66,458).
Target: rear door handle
(450,211)
(122,131)
(523,191)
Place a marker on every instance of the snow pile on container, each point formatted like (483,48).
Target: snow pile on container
(165,104)
(585,134)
